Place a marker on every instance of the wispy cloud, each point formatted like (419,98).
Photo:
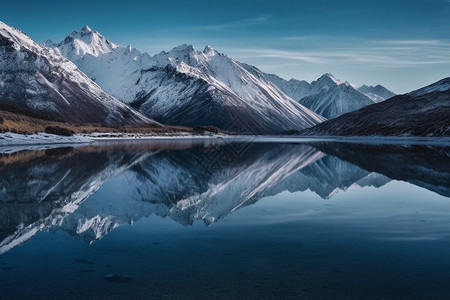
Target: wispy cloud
(375,54)
(415,42)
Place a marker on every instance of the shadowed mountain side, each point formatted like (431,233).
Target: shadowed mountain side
(424,112)
(425,166)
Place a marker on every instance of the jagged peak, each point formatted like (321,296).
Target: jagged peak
(87,41)
(209,50)
(85,34)
(328,77)
(49,43)
(86,29)
(183,48)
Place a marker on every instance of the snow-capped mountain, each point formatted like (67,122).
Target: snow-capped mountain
(424,112)
(330,97)
(37,77)
(377,93)
(187,87)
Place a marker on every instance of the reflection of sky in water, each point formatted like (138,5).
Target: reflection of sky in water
(364,242)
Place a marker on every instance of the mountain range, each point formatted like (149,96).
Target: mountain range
(424,112)
(86,78)
(185,86)
(330,97)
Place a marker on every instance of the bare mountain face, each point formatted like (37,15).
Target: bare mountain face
(187,87)
(424,112)
(330,97)
(40,78)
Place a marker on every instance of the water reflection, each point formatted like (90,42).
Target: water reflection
(188,181)
(425,166)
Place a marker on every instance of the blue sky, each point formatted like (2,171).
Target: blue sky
(402,44)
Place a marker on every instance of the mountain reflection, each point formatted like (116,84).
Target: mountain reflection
(421,165)
(187,181)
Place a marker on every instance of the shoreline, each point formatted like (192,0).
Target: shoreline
(41,141)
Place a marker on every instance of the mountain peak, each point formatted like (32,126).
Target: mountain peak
(85,41)
(183,48)
(49,43)
(209,50)
(85,29)
(327,77)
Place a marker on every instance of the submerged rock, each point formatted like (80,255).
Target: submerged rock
(118,278)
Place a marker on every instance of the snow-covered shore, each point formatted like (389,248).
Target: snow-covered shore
(40,138)
(13,142)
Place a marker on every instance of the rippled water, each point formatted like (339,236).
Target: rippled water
(216,219)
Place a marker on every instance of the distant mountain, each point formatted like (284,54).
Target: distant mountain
(37,77)
(424,112)
(330,97)
(377,93)
(187,87)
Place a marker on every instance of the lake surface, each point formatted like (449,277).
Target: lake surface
(214,219)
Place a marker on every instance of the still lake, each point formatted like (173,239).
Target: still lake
(213,219)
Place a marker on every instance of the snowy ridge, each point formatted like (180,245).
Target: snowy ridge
(40,78)
(188,87)
(84,42)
